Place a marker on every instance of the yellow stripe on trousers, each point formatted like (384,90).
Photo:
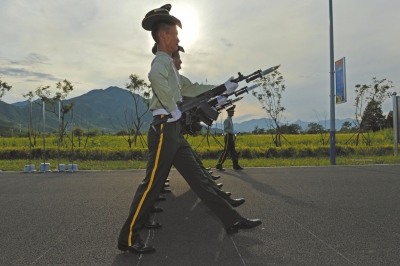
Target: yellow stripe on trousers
(148,188)
(225,150)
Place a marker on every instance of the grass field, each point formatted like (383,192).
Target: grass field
(112,152)
(19,165)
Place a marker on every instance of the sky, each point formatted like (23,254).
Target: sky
(96,44)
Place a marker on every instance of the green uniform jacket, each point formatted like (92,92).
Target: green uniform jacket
(165,83)
(228,125)
(168,85)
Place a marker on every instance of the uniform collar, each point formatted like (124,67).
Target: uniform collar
(163,54)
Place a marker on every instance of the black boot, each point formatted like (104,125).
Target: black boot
(219,167)
(215,177)
(236,165)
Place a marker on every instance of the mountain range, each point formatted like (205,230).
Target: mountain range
(102,109)
(105,110)
(248,126)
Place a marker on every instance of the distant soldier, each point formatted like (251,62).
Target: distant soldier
(229,142)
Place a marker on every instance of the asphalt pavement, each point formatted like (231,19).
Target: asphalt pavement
(335,215)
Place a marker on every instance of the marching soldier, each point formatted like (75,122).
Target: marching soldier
(229,140)
(167,146)
(194,89)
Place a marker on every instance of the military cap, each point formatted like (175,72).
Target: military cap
(158,14)
(231,109)
(154,49)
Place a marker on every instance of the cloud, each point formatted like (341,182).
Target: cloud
(20,72)
(99,43)
(31,59)
(202,53)
(226,42)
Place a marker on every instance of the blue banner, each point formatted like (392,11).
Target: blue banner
(340,71)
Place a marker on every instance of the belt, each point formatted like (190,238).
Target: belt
(163,116)
(159,119)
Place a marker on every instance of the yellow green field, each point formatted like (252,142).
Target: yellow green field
(112,152)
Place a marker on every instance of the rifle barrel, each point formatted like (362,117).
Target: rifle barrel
(269,70)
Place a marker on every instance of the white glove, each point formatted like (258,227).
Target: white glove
(221,99)
(230,86)
(235,132)
(176,114)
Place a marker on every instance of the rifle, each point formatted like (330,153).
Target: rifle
(227,104)
(201,109)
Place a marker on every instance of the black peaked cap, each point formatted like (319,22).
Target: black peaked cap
(231,109)
(158,14)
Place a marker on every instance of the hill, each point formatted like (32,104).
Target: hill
(248,126)
(102,109)
(105,110)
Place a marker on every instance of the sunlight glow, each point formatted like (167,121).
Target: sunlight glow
(189,32)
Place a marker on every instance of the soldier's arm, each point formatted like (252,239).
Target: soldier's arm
(190,89)
(158,77)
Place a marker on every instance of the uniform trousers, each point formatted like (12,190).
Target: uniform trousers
(229,147)
(168,147)
(213,184)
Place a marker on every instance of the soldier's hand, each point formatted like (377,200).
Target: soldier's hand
(230,86)
(221,99)
(176,114)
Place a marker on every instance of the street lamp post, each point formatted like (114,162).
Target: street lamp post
(332,91)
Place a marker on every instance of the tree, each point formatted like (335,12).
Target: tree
(140,92)
(389,120)
(78,132)
(32,118)
(291,129)
(373,118)
(4,87)
(64,87)
(270,98)
(347,127)
(322,118)
(258,131)
(128,124)
(314,128)
(376,93)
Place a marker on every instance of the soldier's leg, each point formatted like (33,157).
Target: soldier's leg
(211,180)
(190,170)
(223,155)
(231,148)
(234,154)
(162,148)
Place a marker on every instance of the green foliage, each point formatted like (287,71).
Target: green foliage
(4,87)
(270,98)
(370,120)
(315,128)
(92,133)
(347,127)
(78,132)
(389,120)
(373,118)
(258,131)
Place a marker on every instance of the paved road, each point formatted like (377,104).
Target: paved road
(338,215)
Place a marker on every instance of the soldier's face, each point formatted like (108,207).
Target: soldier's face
(171,39)
(177,61)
